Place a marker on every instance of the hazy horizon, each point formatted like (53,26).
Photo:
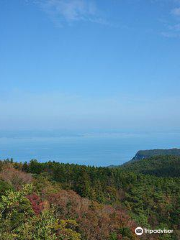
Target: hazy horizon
(86,148)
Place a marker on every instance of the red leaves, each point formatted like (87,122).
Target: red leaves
(15,177)
(95,221)
(37,204)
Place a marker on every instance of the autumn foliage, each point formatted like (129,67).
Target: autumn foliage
(14,177)
(63,214)
(54,201)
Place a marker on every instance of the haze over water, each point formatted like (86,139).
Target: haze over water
(99,149)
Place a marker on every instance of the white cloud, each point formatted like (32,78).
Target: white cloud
(173,26)
(176,11)
(169,34)
(176,27)
(69,11)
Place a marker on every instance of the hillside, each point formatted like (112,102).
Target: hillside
(87,203)
(162,166)
(35,207)
(156,152)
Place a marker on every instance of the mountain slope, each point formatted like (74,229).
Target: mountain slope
(33,207)
(91,197)
(161,166)
(156,152)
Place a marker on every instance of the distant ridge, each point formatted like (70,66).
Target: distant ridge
(158,162)
(146,154)
(142,154)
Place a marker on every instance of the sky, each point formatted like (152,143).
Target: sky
(78,64)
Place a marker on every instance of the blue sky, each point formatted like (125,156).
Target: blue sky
(78,64)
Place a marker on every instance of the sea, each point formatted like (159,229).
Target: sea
(94,149)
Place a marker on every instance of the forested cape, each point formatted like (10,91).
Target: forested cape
(162,166)
(156,152)
(71,202)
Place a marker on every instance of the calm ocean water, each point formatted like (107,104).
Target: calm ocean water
(98,150)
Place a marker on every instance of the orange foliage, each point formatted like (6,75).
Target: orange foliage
(14,177)
(96,221)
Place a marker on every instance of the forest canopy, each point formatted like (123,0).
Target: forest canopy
(65,201)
